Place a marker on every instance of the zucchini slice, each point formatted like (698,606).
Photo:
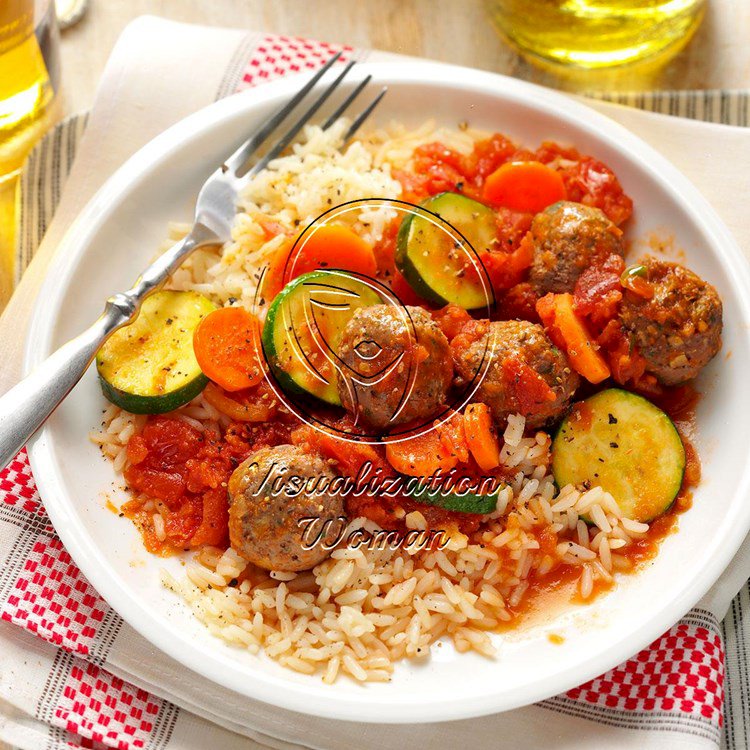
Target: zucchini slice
(624,444)
(468,502)
(303,328)
(437,265)
(149,367)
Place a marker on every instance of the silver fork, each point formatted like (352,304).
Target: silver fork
(26,406)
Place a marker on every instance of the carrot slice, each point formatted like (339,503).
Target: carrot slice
(227,347)
(272,280)
(332,246)
(328,246)
(453,436)
(423,455)
(481,436)
(527,186)
(567,330)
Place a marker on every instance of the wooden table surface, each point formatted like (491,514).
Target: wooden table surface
(456,31)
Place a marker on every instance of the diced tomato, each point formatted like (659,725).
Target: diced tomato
(626,363)
(598,291)
(168,486)
(187,470)
(440,168)
(588,181)
(518,302)
(489,154)
(413,186)
(529,389)
(170,442)
(512,227)
(451,319)
(214,524)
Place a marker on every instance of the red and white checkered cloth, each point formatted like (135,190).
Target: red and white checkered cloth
(65,697)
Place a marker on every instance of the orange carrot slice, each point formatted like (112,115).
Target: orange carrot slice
(567,330)
(332,246)
(227,347)
(421,456)
(481,436)
(527,186)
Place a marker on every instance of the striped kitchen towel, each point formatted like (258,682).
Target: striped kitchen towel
(73,674)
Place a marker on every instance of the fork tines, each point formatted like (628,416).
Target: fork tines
(237,162)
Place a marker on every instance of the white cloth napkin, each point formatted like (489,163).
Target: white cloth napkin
(196,65)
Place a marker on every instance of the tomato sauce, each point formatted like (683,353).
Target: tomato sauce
(438,168)
(186,471)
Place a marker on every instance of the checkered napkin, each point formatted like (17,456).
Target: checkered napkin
(72,674)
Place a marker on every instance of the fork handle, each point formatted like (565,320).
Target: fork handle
(26,406)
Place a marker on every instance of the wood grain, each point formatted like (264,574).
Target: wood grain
(447,30)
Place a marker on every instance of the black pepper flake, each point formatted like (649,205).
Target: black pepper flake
(613,445)
(612,419)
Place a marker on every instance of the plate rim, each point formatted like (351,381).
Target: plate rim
(277,691)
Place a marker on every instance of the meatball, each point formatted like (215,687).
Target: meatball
(266,509)
(397,365)
(677,330)
(524,372)
(567,239)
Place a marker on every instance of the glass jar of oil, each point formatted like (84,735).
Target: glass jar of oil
(29,77)
(593,34)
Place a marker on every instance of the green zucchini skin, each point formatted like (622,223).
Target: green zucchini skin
(623,443)
(149,367)
(423,250)
(464,503)
(136,404)
(289,304)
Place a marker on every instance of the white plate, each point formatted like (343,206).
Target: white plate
(118,232)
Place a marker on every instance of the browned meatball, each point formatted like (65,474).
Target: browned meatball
(524,372)
(398,365)
(567,239)
(678,330)
(266,508)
